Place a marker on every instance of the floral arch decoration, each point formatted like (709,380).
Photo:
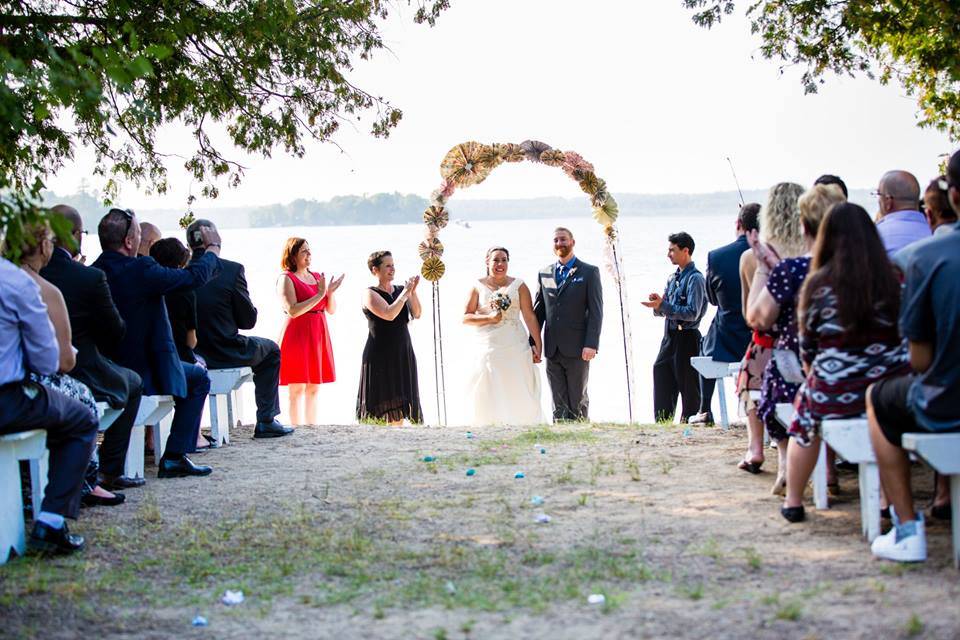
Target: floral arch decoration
(468,164)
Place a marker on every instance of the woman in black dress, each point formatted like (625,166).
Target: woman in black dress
(389,391)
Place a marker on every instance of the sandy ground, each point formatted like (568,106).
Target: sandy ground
(345,531)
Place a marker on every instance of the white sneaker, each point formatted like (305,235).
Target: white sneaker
(910,549)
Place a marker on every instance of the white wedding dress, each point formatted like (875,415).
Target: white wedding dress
(504,383)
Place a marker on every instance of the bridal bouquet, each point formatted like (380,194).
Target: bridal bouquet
(501,302)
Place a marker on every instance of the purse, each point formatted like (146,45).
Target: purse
(788,364)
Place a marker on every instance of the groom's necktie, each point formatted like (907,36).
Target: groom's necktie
(561,274)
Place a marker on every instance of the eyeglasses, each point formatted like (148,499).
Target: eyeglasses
(128,213)
(880,194)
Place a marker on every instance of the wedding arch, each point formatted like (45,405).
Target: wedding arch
(470,163)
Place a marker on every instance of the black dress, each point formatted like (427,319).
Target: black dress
(388,376)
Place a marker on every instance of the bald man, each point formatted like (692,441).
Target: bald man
(149,234)
(900,223)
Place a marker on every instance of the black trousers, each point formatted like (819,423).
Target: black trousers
(707,387)
(568,384)
(674,375)
(265,363)
(188,411)
(71,436)
(116,440)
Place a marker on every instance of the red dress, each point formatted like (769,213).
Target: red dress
(306,355)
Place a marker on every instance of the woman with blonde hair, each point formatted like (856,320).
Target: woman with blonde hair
(306,353)
(772,301)
(780,232)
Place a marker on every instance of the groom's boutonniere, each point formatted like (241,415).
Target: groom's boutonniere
(501,302)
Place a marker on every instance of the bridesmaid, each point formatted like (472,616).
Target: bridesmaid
(306,354)
(389,391)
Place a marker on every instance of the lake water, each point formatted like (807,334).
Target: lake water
(345,249)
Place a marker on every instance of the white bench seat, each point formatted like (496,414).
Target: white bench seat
(14,447)
(942,452)
(107,415)
(716,370)
(850,439)
(225,400)
(155,412)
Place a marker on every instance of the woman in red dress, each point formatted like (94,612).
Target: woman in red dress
(306,354)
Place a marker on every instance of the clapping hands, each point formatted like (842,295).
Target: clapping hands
(411,284)
(764,253)
(334,284)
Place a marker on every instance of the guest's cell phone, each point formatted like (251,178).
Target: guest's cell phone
(196,238)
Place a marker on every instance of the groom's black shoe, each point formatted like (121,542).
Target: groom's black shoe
(272,429)
(45,539)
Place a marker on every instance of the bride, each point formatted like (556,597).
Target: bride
(505,384)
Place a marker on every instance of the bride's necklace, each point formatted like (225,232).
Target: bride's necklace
(498,285)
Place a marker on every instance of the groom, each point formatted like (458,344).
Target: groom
(569,304)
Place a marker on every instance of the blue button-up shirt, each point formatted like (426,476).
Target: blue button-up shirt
(900,228)
(684,299)
(27,339)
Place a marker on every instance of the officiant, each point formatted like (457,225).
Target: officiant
(683,305)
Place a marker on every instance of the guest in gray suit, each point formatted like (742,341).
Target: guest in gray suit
(569,308)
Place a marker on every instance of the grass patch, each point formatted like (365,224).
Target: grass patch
(546,435)
(914,626)
(790,611)
(754,560)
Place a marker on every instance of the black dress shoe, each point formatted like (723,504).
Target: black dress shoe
(120,482)
(47,540)
(91,500)
(181,468)
(271,429)
(793,514)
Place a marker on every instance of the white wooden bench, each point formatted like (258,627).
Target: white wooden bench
(155,412)
(785,415)
(715,370)
(850,439)
(942,452)
(107,415)
(225,400)
(14,447)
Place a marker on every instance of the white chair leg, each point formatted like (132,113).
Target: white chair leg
(230,413)
(133,465)
(13,533)
(219,420)
(238,407)
(870,499)
(820,499)
(724,422)
(39,468)
(955,506)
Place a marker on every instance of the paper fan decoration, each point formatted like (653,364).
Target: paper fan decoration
(431,248)
(440,196)
(533,148)
(552,157)
(466,164)
(575,166)
(509,152)
(607,213)
(432,269)
(600,196)
(436,216)
(590,183)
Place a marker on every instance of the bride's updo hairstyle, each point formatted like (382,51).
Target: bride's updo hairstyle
(376,259)
(493,250)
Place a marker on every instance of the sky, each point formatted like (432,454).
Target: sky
(655,102)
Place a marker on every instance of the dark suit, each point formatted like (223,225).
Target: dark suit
(571,315)
(729,335)
(97,326)
(138,285)
(223,308)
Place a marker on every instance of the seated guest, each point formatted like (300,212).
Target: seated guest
(33,258)
(96,327)
(181,310)
(28,344)
(223,309)
(898,196)
(149,234)
(848,336)
(389,386)
(940,215)
(683,304)
(729,335)
(138,285)
(772,307)
(929,399)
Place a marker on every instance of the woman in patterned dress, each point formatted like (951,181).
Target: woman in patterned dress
(847,318)
(772,307)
